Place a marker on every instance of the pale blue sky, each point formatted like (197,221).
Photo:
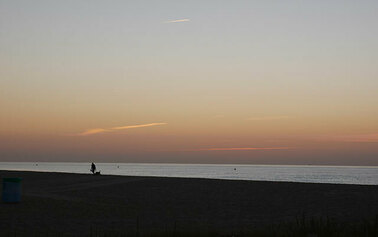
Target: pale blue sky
(254,37)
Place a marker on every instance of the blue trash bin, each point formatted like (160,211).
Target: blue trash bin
(11,190)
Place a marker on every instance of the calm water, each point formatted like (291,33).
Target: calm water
(310,174)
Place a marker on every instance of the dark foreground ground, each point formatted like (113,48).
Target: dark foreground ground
(57,204)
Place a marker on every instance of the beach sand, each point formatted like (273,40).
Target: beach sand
(78,204)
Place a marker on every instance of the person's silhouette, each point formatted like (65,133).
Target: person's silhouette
(93,168)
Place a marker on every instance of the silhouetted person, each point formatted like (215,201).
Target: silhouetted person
(93,168)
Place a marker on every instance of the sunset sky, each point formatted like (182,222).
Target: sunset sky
(255,82)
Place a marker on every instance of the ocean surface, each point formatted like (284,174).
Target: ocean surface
(292,173)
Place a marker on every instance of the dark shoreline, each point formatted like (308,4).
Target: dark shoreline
(192,178)
(76,204)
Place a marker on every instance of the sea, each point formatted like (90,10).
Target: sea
(366,175)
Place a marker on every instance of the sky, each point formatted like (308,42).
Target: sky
(246,82)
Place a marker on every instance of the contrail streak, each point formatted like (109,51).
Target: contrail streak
(177,21)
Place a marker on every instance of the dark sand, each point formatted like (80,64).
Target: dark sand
(73,204)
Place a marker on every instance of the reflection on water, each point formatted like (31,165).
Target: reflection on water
(308,174)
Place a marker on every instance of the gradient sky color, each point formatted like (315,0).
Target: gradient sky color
(257,82)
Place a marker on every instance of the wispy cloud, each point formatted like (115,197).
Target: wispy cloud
(177,21)
(93,131)
(243,148)
(138,126)
(358,138)
(268,118)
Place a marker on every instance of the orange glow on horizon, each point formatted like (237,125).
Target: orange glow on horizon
(245,149)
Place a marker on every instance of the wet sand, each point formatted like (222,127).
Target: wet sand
(77,204)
